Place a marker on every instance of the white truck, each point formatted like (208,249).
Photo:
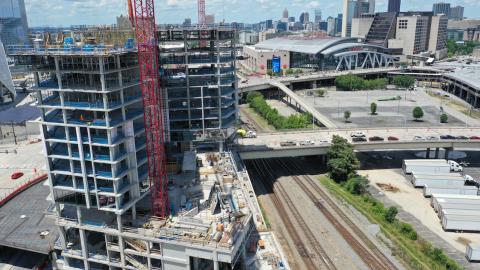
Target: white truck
(430,166)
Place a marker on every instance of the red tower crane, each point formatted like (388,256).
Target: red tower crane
(201,12)
(142,14)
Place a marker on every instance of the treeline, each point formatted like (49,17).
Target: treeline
(295,121)
(460,49)
(352,82)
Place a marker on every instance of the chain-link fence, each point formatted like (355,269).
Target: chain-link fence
(15,133)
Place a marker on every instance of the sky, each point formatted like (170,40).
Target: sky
(78,12)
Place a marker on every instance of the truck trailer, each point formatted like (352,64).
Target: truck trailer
(430,166)
(428,189)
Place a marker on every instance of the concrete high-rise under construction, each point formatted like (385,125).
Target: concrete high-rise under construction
(93,132)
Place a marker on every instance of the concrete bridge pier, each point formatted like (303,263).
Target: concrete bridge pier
(427,155)
(447,151)
(437,152)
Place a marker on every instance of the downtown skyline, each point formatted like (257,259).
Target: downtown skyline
(89,12)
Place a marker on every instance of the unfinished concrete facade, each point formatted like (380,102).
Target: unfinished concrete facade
(94,142)
(198,73)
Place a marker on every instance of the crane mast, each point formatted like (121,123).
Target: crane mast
(142,14)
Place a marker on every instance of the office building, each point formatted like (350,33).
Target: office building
(420,32)
(361,26)
(291,19)
(381,29)
(187,22)
(456,13)
(13,22)
(285,14)
(124,23)
(282,27)
(304,18)
(318,16)
(353,9)
(338,24)
(248,37)
(441,8)
(394,5)
(371,6)
(323,25)
(210,19)
(7,89)
(331,26)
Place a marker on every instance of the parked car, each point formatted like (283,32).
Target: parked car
(358,134)
(321,141)
(447,137)
(359,139)
(376,139)
(307,142)
(288,143)
(419,138)
(392,138)
(475,138)
(16,175)
(432,138)
(461,138)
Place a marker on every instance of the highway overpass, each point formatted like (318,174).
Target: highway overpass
(268,145)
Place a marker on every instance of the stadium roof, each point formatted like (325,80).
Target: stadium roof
(307,46)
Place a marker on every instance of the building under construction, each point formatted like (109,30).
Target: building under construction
(93,131)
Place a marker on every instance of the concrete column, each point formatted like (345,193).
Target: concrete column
(437,151)
(447,152)
(428,153)
(83,167)
(216,265)
(83,243)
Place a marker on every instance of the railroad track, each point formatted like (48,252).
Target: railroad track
(368,252)
(262,168)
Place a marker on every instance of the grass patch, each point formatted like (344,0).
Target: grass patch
(416,252)
(265,217)
(258,119)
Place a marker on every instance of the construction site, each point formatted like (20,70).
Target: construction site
(133,131)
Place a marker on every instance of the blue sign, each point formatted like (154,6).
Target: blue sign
(276,64)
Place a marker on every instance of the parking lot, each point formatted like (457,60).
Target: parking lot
(390,113)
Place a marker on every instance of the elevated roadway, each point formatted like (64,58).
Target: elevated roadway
(257,84)
(306,107)
(268,145)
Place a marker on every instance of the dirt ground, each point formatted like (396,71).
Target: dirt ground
(413,201)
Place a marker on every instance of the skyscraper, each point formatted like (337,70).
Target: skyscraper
(456,13)
(13,22)
(371,6)
(353,9)
(285,14)
(441,8)
(318,16)
(304,18)
(394,5)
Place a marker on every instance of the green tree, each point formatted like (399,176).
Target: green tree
(342,162)
(404,81)
(390,214)
(373,108)
(320,92)
(357,185)
(346,115)
(444,118)
(417,113)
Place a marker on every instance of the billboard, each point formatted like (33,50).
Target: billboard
(276,64)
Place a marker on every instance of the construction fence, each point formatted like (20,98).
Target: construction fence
(16,133)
